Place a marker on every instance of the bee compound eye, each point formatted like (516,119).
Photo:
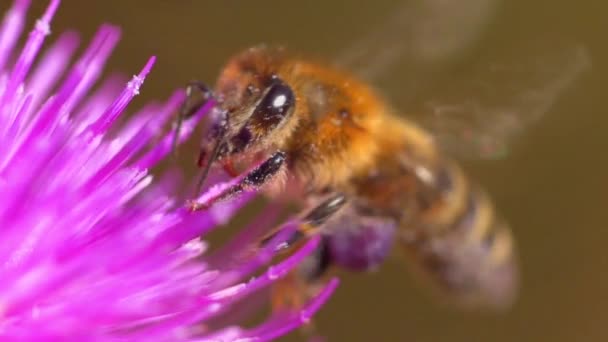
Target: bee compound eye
(278,103)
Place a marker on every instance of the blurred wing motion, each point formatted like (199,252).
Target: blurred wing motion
(419,35)
(479,113)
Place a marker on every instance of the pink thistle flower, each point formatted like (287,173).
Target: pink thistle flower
(92,248)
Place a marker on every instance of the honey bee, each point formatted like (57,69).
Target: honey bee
(326,140)
(365,177)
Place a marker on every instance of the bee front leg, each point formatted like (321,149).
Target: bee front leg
(197,95)
(250,180)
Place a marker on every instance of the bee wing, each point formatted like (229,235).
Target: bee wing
(480,113)
(476,113)
(419,35)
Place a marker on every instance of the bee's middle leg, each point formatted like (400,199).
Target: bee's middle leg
(310,223)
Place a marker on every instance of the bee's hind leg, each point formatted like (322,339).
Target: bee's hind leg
(292,292)
(300,285)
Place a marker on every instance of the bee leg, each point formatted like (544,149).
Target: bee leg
(311,223)
(251,180)
(292,292)
(197,95)
(288,293)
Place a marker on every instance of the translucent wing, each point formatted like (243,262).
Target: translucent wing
(419,35)
(479,113)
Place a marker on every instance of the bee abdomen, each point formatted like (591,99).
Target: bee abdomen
(462,245)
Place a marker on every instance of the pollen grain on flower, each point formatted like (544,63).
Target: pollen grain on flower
(92,246)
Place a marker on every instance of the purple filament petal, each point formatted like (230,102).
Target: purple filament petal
(225,257)
(92,247)
(279,325)
(11,28)
(30,50)
(79,80)
(273,273)
(262,255)
(134,144)
(230,295)
(86,70)
(95,105)
(123,99)
(51,66)
(164,147)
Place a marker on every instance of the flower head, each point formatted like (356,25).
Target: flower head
(91,246)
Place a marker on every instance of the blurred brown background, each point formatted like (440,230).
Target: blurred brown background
(552,186)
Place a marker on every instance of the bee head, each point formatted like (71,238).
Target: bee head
(254,105)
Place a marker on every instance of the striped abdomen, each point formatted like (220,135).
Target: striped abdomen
(456,239)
